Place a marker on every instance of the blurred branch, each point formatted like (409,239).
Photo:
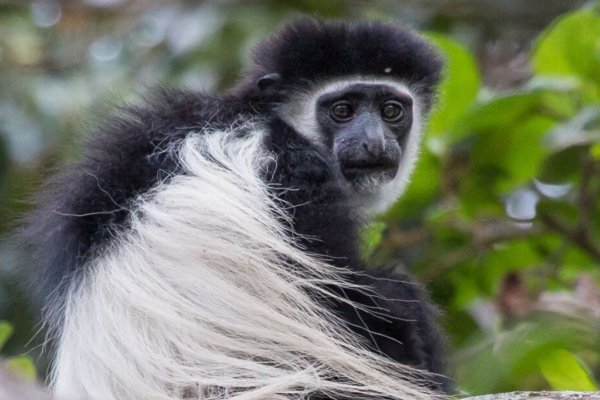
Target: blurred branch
(578,237)
(449,260)
(483,235)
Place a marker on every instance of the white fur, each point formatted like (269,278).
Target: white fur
(300,113)
(207,297)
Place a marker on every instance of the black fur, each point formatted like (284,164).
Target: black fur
(310,51)
(405,328)
(82,209)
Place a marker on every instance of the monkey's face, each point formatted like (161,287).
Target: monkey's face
(370,129)
(366,127)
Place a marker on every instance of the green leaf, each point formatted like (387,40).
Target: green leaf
(371,236)
(526,153)
(24,366)
(595,151)
(501,112)
(560,101)
(564,371)
(6,330)
(571,46)
(505,157)
(562,166)
(459,88)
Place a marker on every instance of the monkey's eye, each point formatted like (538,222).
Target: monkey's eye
(342,111)
(392,111)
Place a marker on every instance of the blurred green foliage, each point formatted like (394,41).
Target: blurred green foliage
(501,220)
(23,364)
(504,209)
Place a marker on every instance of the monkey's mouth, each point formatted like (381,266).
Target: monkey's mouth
(354,170)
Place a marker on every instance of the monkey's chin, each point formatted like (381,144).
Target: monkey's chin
(371,181)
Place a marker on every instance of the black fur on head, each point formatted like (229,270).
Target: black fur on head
(309,50)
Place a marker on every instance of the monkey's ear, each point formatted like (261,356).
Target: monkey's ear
(268,80)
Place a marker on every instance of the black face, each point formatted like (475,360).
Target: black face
(366,126)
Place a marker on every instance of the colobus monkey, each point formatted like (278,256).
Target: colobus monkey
(206,247)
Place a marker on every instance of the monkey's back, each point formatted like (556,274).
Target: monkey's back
(86,205)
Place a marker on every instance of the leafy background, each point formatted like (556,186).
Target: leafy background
(501,220)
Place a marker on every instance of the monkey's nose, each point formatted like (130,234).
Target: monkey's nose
(374,145)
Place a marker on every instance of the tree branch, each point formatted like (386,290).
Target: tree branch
(576,236)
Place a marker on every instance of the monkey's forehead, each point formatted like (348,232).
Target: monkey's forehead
(309,50)
(364,86)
